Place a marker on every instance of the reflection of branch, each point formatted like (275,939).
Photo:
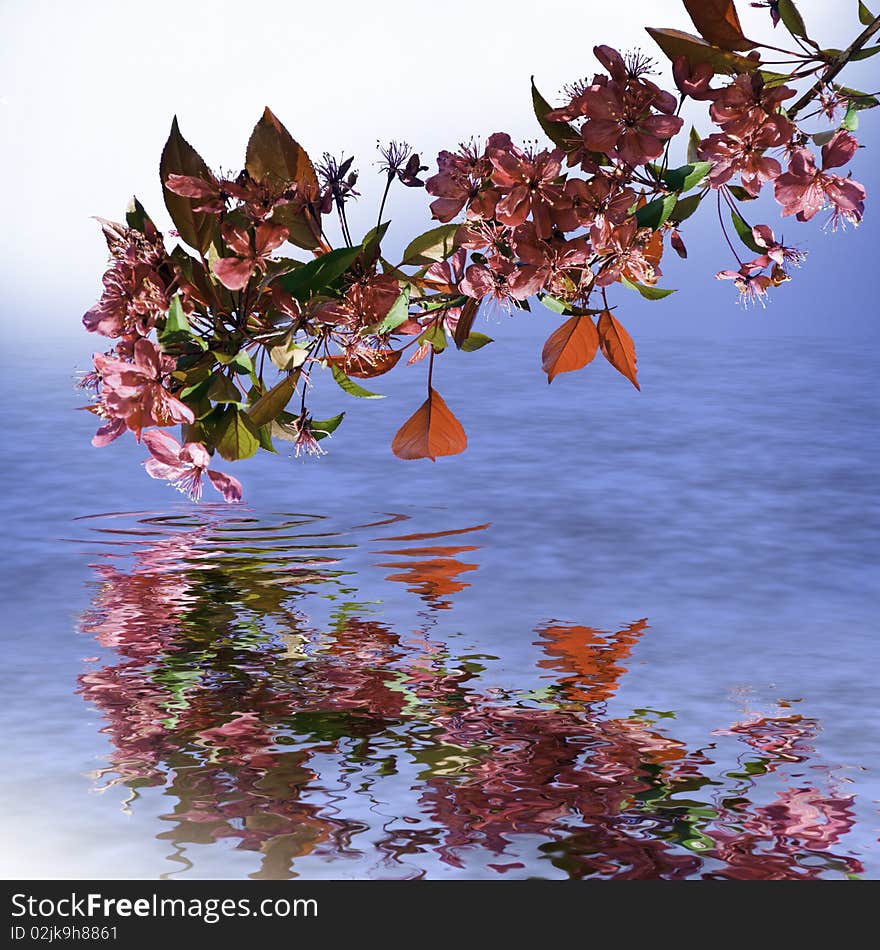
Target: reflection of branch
(835,67)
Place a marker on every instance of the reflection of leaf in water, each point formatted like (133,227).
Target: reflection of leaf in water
(293,743)
(589,659)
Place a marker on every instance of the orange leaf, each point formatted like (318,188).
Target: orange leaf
(617,347)
(675,43)
(431,431)
(570,347)
(717,21)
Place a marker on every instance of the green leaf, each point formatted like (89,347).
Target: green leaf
(267,407)
(317,275)
(744,231)
(688,176)
(792,19)
(866,53)
(136,217)
(399,313)
(649,293)
(860,100)
(432,246)
(684,208)
(475,341)
(180,158)
(694,140)
(866,18)
(288,356)
(264,434)
(559,133)
(234,434)
(436,336)
(322,428)
(372,242)
(851,119)
(655,213)
(675,43)
(740,193)
(176,323)
(350,386)
(224,390)
(554,304)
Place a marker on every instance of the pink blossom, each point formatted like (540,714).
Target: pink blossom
(135,294)
(629,251)
(774,250)
(693,79)
(600,201)
(749,281)
(463,180)
(559,265)
(732,154)
(133,395)
(235,272)
(804,189)
(184,465)
(742,107)
(527,181)
(499,278)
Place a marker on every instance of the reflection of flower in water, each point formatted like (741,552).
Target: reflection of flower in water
(279,749)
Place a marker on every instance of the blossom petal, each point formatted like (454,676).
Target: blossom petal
(229,487)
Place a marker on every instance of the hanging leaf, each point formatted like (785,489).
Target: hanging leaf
(675,43)
(617,346)
(685,208)
(744,231)
(430,432)
(349,386)
(740,193)
(559,133)
(234,434)
(656,213)
(792,19)
(398,314)
(432,246)
(860,100)
(358,366)
(694,142)
(476,341)
(317,276)
(851,119)
(718,23)
(179,158)
(176,323)
(687,176)
(465,321)
(271,403)
(866,18)
(570,347)
(321,428)
(222,389)
(649,293)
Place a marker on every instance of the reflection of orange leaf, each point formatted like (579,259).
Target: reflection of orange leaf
(437,550)
(589,658)
(361,367)
(435,534)
(434,579)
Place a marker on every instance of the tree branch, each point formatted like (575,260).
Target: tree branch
(835,67)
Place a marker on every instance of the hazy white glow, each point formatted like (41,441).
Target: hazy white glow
(88,90)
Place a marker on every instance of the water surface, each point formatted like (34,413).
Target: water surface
(623,636)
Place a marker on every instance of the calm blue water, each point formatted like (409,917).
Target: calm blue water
(623,635)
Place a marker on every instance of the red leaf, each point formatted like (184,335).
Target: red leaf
(570,347)
(617,346)
(717,21)
(466,321)
(360,367)
(431,431)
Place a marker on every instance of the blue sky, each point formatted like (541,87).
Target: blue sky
(87,92)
